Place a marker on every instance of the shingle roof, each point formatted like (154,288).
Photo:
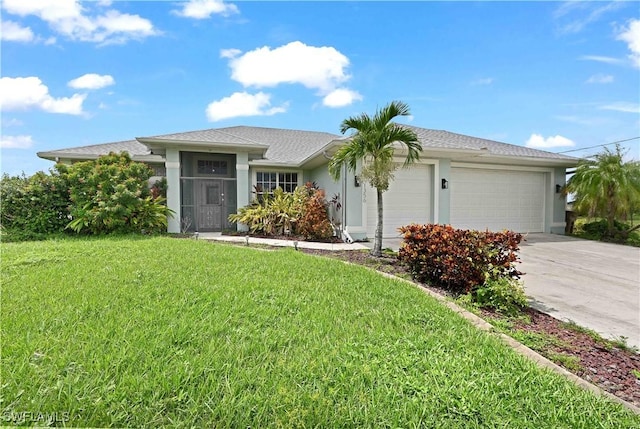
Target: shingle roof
(213,135)
(285,145)
(133,147)
(446,140)
(295,146)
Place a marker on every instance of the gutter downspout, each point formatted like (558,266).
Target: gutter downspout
(345,235)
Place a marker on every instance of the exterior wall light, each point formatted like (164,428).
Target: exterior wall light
(558,189)
(445,184)
(356,181)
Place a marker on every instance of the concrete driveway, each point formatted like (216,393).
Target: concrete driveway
(596,285)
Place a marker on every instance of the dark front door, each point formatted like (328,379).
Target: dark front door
(210,199)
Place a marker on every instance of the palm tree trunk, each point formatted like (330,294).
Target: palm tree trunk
(377,242)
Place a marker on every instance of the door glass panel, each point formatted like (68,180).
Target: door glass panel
(213,194)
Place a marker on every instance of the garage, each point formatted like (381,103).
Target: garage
(497,199)
(408,200)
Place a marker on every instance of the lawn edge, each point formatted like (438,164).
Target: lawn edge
(520,348)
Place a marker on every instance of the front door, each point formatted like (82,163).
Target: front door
(210,199)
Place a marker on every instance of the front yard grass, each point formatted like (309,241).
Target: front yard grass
(133,332)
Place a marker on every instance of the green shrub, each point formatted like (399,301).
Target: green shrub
(111,195)
(32,207)
(599,228)
(272,214)
(458,260)
(505,295)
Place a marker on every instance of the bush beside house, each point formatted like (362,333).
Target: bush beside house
(32,207)
(303,212)
(107,195)
(479,264)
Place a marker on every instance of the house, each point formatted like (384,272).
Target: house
(464,181)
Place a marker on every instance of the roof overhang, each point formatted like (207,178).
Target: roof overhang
(159,146)
(74,156)
(518,160)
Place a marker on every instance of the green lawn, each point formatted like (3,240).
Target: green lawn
(133,332)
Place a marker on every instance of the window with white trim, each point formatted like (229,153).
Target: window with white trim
(268,181)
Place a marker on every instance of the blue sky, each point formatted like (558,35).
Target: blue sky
(551,75)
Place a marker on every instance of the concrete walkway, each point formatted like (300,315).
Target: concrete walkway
(596,285)
(216,236)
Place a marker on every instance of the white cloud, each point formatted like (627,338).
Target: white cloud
(203,9)
(340,97)
(587,121)
(16,142)
(483,81)
(69,18)
(22,93)
(622,106)
(243,104)
(600,78)
(631,35)
(14,32)
(91,81)
(11,122)
(321,68)
(229,53)
(539,142)
(601,59)
(578,15)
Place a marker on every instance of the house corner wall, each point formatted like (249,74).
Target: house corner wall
(444,195)
(559,202)
(172,165)
(350,197)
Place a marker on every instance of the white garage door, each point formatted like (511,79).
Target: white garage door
(408,200)
(497,199)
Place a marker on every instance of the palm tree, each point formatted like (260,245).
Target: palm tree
(372,142)
(606,186)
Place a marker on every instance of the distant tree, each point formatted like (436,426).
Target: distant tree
(608,187)
(372,142)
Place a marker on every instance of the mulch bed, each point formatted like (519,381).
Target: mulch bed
(598,361)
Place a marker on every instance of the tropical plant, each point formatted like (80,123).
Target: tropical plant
(301,212)
(314,220)
(373,143)
(458,260)
(607,186)
(111,194)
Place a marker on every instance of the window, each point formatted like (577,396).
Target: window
(288,181)
(269,181)
(212,167)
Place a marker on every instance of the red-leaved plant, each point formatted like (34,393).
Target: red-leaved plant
(456,259)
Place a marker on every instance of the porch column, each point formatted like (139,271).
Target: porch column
(243,182)
(172,164)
